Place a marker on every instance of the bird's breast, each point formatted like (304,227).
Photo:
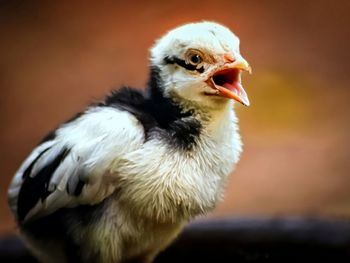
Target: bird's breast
(168,184)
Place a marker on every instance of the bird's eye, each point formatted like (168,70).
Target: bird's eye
(195,59)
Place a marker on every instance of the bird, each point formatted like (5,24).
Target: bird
(119,181)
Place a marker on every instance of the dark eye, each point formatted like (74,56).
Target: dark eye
(196,59)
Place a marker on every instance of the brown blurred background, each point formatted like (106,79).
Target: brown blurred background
(58,56)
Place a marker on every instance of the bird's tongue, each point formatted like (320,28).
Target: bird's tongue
(234,91)
(227,82)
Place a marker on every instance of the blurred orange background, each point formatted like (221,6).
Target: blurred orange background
(58,56)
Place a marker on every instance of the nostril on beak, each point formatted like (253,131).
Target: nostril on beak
(229,58)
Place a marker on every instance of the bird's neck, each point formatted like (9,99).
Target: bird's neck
(186,120)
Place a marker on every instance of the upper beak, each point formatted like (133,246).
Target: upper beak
(227,80)
(242,64)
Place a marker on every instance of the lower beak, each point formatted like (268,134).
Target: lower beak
(227,81)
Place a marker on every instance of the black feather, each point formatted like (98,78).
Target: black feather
(159,115)
(29,169)
(75,185)
(182,63)
(79,188)
(133,101)
(35,187)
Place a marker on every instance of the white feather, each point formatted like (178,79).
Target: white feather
(97,139)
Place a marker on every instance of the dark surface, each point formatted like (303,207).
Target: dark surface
(241,240)
(262,240)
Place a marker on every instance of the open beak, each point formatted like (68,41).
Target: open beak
(227,81)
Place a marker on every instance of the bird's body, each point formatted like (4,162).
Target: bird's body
(119,182)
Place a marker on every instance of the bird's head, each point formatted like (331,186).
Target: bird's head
(201,62)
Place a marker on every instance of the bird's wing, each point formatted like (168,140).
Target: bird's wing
(76,165)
